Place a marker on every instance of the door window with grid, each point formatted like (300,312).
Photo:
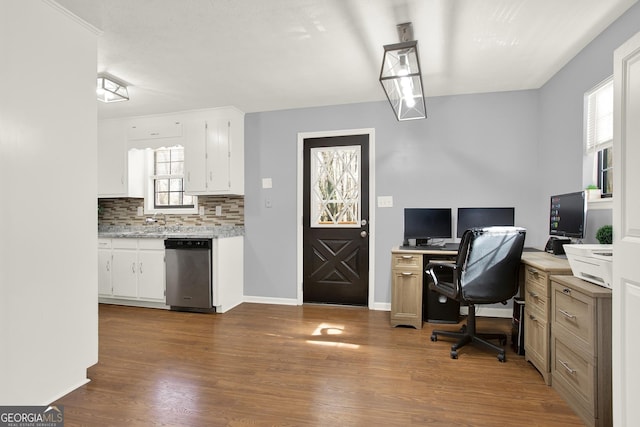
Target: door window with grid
(168,180)
(335,191)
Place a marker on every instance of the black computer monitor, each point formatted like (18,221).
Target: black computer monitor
(483,217)
(567,214)
(424,224)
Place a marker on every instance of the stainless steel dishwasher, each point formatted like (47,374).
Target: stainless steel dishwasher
(188,274)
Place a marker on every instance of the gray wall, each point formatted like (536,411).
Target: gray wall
(476,150)
(561,113)
(497,149)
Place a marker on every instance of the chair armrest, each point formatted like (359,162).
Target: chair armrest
(448,288)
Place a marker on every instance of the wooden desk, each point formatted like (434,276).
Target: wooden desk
(581,347)
(537,268)
(407,270)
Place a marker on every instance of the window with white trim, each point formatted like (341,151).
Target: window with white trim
(598,133)
(165,191)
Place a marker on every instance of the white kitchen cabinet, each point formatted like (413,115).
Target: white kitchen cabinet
(154,127)
(151,269)
(104,267)
(120,171)
(214,152)
(125,267)
(228,273)
(136,267)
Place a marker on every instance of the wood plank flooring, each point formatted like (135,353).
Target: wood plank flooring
(300,366)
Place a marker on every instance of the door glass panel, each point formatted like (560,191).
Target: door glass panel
(335,187)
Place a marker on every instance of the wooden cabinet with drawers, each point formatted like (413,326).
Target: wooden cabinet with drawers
(537,270)
(581,347)
(406,289)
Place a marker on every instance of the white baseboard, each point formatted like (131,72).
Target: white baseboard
(270,300)
(133,303)
(382,306)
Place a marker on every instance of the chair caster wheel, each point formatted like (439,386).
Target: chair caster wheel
(502,358)
(454,354)
(434,337)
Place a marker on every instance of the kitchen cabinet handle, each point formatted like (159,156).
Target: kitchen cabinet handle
(140,268)
(133,268)
(108,266)
(566,366)
(566,314)
(407,256)
(406,273)
(210,175)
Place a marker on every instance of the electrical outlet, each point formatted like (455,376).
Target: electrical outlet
(218,210)
(140,211)
(201,210)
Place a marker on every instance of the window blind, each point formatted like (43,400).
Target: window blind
(599,117)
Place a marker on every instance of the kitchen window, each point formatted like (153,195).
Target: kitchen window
(166,183)
(598,134)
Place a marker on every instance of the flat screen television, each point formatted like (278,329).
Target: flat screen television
(483,217)
(424,224)
(567,215)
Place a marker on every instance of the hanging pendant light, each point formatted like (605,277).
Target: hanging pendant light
(401,78)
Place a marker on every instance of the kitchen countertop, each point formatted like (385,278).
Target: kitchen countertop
(162,232)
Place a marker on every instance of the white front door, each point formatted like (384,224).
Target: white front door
(626,234)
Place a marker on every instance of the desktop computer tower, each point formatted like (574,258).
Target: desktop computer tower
(517,326)
(436,308)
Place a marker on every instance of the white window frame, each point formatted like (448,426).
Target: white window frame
(149,200)
(598,121)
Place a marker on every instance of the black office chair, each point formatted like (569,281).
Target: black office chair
(485,272)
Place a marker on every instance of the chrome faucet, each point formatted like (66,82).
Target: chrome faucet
(154,219)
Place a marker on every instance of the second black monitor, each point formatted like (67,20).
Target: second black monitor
(483,217)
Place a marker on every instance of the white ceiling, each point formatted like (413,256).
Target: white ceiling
(262,55)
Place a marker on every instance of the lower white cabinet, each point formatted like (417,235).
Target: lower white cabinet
(131,269)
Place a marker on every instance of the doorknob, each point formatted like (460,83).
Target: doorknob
(363,234)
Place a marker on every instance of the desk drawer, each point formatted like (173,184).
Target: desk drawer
(574,378)
(574,313)
(533,275)
(536,298)
(406,261)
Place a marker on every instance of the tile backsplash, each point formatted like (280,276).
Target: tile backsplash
(123,211)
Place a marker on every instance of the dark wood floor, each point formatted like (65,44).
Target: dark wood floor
(295,366)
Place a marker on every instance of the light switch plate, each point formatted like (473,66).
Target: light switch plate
(267,183)
(218,210)
(385,201)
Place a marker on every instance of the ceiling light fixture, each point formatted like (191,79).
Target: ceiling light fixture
(401,78)
(110,90)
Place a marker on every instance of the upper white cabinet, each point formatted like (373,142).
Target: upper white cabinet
(213,142)
(214,152)
(154,127)
(120,172)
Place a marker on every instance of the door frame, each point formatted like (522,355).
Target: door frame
(372,212)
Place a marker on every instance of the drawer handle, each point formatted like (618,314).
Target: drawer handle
(533,294)
(531,317)
(532,271)
(568,315)
(566,291)
(566,366)
(407,256)
(407,273)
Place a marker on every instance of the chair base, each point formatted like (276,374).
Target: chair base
(481,340)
